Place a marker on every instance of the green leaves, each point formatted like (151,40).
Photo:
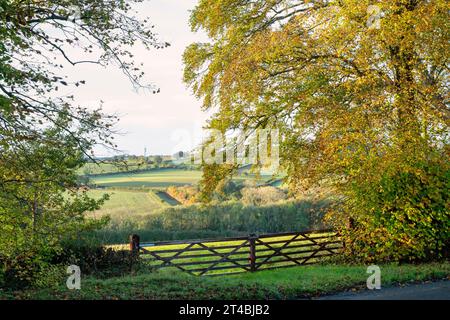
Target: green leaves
(44,137)
(362,107)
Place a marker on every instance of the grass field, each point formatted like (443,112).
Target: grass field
(291,283)
(161,178)
(135,196)
(124,204)
(139,195)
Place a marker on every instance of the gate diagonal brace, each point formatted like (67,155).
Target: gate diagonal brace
(278,250)
(224,257)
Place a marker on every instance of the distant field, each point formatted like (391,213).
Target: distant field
(125,204)
(161,178)
(136,195)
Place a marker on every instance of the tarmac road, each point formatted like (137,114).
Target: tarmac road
(428,291)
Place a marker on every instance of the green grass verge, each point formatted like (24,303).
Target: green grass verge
(293,283)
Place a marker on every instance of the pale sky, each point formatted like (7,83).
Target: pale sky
(165,122)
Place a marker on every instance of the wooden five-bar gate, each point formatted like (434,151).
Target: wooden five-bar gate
(242,254)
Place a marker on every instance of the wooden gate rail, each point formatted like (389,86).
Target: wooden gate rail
(243,254)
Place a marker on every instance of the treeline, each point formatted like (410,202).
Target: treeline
(230,218)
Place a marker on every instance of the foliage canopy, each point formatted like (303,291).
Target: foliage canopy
(360,95)
(44,136)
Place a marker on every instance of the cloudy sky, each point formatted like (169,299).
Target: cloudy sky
(162,123)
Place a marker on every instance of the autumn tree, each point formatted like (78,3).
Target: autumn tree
(45,137)
(359,92)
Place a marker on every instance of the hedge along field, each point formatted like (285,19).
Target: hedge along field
(226,219)
(117,166)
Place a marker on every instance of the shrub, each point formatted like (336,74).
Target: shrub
(403,214)
(49,276)
(97,260)
(231,218)
(29,269)
(185,194)
(262,195)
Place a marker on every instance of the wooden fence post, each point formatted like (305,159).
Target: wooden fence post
(252,257)
(135,243)
(134,249)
